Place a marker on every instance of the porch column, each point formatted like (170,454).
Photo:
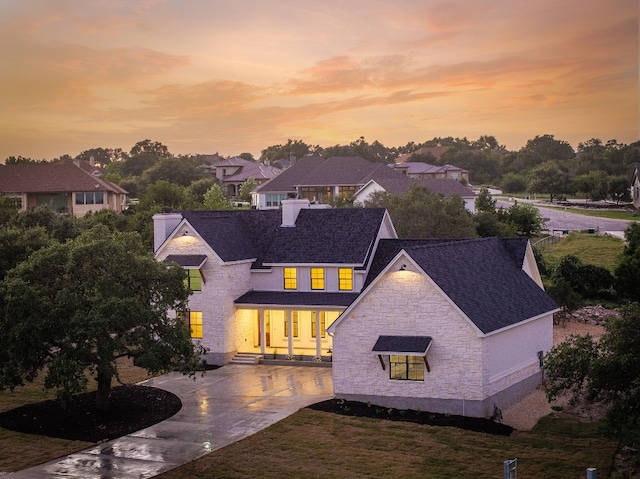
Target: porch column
(290,329)
(318,335)
(263,333)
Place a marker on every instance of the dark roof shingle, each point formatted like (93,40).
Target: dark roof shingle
(483,277)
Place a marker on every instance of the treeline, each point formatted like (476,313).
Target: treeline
(545,165)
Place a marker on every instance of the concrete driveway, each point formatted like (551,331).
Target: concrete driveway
(224,406)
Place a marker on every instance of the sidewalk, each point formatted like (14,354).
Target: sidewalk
(224,406)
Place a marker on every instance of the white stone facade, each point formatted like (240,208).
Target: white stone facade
(468,371)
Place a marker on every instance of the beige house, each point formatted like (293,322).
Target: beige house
(73,187)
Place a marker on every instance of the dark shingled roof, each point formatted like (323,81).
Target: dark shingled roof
(186,260)
(331,236)
(289,178)
(402,344)
(295,298)
(483,277)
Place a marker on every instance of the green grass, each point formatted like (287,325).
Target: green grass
(317,444)
(598,250)
(19,451)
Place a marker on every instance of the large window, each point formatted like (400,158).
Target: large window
(345,279)
(90,198)
(290,278)
(275,199)
(314,324)
(317,278)
(194,280)
(193,320)
(294,324)
(406,367)
(315,193)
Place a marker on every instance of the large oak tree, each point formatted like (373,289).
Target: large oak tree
(71,310)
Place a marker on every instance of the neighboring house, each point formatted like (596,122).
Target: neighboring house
(440,325)
(635,187)
(322,179)
(73,187)
(417,170)
(232,172)
(400,185)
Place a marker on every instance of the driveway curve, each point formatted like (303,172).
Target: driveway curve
(222,407)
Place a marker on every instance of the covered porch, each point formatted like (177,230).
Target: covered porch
(289,326)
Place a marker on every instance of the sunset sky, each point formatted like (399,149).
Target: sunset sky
(206,76)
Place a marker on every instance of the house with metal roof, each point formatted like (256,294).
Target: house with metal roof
(439,325)
(321,180)
(73,187)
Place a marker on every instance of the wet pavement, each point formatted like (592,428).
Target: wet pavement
(224,406)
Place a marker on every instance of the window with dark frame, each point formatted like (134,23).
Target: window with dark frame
(409,368)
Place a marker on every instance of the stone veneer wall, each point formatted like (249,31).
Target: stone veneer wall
(223,284)
(407,303)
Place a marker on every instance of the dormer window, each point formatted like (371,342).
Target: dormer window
(290,278)
(317,278)
(345,279)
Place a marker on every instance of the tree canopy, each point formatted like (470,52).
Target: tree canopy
(73,309)
(419,213)
(606,371)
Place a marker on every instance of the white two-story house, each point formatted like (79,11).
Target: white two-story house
(453,326)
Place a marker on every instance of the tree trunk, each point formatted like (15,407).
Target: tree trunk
(104,388)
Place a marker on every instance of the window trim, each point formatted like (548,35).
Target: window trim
(342,280)
(412,365)
(290,278)
(316,276)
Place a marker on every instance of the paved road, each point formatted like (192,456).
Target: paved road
(556,219)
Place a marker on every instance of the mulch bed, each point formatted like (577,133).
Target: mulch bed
(132,408)
(359,409)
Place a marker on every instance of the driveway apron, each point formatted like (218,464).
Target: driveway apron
(222,407)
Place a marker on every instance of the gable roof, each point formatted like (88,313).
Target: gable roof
(292,176)
(417,167)
(58,177)
(483,277)
(256,170)
(320,236)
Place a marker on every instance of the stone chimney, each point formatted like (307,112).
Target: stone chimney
(163,226)
(290,210)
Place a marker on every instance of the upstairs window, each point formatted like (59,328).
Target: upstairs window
(317,278)
(345,279)
(290,278)
(194,280)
